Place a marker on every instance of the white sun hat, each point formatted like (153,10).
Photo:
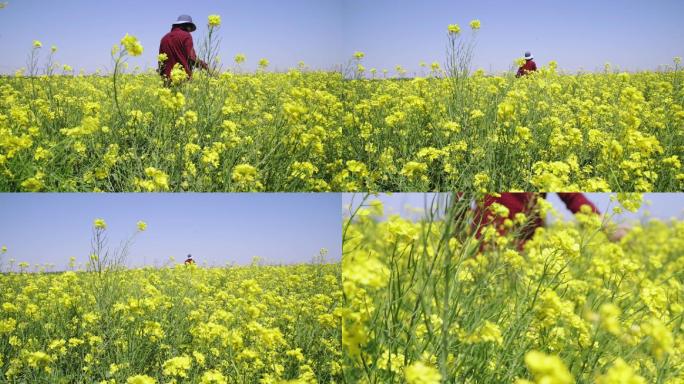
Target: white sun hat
(185,19)
(528,56)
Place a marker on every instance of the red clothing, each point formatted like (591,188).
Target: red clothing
(178,47)
(189,261)
(524,203)
(529,66)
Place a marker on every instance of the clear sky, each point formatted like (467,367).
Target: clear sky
(284,32)
(631,34)
(411,205)
(215,228)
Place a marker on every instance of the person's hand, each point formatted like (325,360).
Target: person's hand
(617,232)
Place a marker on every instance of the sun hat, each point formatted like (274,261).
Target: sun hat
(185,19)
(528,56)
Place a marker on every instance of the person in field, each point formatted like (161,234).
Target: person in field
(529,66)
(189,260)
(178,47)
(526,203)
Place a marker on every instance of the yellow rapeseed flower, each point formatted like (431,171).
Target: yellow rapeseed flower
(244,173)
(39,359)
(214,20)
(177,366)
(547,369)
(420,373)
(141,379)
(240,58)
(35,183)
(620,373)
(454,29)
(132,45)
(213,377)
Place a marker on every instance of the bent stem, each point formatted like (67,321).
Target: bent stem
(117,63)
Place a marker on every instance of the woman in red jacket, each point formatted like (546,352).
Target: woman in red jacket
(525,203)
(178,47)
(189,260)
(529,66)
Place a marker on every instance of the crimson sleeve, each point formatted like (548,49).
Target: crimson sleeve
(192,56)
(574,201)
(189,48)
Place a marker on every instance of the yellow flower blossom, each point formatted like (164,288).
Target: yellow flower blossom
(132,45)
(547,369)
(240,58)
(214,20)
(420,373)
(141,379)
(454,29)
(177,366)
(620,373)
(99,224)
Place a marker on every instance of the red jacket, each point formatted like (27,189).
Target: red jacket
(178,47)
(529,66)
(524,203)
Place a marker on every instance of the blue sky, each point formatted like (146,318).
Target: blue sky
(631,34)
(215,228)
(411,205)
(284,32)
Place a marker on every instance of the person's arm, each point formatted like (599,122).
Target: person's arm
(575,201)
(191,55)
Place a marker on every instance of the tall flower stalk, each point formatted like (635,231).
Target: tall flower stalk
(129,46)
(459,55)
(102,259)
(210,46)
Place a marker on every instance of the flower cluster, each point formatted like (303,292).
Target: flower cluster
(132,45)
(214,21)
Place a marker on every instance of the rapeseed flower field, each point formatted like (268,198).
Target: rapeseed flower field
(305,130)
(427,302)
(238,324)
(545,132)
